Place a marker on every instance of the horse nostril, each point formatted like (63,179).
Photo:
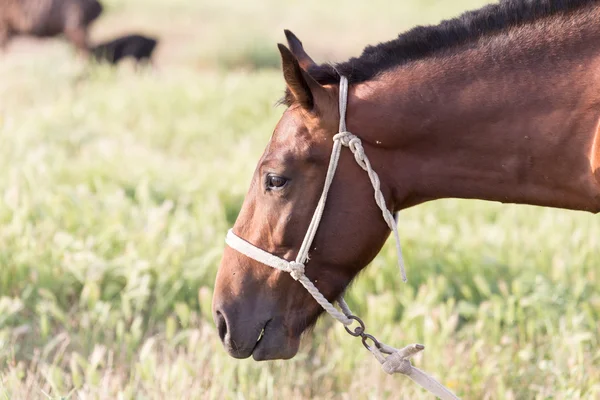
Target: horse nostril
(221,325)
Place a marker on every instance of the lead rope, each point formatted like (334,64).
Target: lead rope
(355,145)
(392,360)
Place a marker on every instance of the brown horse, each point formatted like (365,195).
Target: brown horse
(500,104)
(48,18)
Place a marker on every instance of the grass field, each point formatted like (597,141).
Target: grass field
(117,189)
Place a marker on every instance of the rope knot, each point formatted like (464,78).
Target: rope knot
(296,269)
(396,364)
(346,138)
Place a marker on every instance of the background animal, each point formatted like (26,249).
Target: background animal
(47,18)
(136,46)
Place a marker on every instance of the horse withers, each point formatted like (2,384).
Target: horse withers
(500,104)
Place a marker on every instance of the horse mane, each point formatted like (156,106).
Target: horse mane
(426,41)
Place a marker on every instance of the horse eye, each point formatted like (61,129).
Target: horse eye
(275,182)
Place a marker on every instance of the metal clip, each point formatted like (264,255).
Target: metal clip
(359,331)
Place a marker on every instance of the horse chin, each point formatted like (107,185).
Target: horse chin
(275,344)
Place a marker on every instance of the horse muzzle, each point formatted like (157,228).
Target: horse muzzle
(245,332)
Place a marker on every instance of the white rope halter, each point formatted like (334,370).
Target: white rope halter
(392,360)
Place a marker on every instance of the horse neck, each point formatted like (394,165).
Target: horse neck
(519,129)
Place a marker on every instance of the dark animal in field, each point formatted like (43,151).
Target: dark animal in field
(135,46)
(48,18)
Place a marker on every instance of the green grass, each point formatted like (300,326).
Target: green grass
(116,190)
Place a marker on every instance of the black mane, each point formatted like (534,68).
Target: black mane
(424,41)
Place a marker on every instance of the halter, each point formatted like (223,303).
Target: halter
(392,360)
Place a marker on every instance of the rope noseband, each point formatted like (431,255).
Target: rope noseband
(393,360)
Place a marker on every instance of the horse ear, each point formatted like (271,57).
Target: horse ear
(298,50)
(301,85)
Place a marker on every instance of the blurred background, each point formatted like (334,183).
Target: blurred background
(118,185)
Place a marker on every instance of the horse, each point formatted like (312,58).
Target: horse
(136,46)
(499,104)
(48,18)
